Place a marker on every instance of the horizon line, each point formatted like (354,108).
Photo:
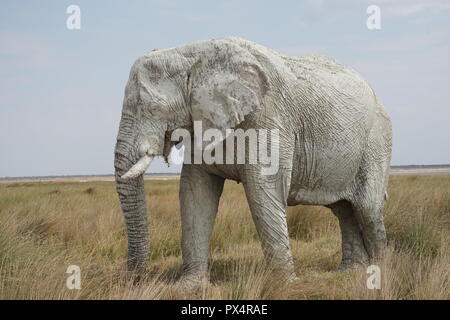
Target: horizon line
(178,173)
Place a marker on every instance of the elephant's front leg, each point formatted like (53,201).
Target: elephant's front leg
(199,199)
(267,198)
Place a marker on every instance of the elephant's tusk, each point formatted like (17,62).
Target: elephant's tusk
(139,168)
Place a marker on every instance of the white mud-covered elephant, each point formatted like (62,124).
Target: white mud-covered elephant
(334,146)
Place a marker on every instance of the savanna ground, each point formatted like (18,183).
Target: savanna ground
(47,226)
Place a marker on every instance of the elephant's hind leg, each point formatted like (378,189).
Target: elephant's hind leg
(199,200)
(354,253)
(367,202)
(372,227)
(369,192)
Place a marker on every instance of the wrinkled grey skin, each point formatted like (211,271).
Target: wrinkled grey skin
(335,140)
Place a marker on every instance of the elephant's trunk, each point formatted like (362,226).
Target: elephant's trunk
(132,196)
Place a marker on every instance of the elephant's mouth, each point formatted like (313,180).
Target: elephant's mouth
(150,146)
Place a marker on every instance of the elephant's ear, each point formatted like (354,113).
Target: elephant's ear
(221,97)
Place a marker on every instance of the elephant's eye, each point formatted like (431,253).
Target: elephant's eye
(153,107)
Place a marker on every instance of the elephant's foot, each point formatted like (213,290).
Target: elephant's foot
(191,282)
(285,272)
(350,265)
(354,257)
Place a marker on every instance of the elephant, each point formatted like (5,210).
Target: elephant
(334,138)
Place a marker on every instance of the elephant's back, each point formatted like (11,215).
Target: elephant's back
(325,76)
(335,95)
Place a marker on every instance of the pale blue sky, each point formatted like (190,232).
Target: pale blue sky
(61,91)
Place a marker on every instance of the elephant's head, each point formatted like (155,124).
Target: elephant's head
(215,82)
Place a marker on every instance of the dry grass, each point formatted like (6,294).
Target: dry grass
(47,226)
